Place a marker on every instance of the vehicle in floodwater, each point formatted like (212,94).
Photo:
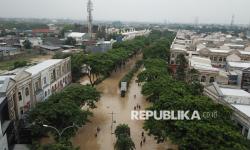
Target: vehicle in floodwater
(123,88)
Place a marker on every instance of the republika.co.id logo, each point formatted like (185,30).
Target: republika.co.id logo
(171,115)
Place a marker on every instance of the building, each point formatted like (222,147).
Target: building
(207,73)
(131,34)
(219,56)
(79,37)
(28,86)
(49,49)
(6,124)
(49,77)
(21,89)
(236,99)
(42,32)
(101,46)
(8,51)
(245,81)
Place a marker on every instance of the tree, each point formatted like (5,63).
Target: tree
(18,64)
(193,82)
(122,129)
(184,93)
(57,112)
(82,94)
(27,44)
(181,68)
(70,41)
(64,109)
(56,146)
(124,141)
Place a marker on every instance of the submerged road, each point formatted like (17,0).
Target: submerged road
(121,107)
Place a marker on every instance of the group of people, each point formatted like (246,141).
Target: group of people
(98,129)
(143,139)
(137,107)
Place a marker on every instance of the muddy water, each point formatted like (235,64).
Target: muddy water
(121,107)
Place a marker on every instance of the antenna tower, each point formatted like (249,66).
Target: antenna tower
(90,17)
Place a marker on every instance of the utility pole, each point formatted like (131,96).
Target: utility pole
(90,17)
(232,21)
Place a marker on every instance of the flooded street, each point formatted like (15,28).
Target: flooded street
(121,107)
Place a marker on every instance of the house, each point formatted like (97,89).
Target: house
(207,73)
(41,32)
(8,51)
(79,37)
(49,49)
(219,56)
(236,99)
(35,41)
(101,46)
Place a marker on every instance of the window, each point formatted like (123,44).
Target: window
(20,96)
(203,79)
(36,85)
(21,110)
(224,59)
(215,58)
(45,93)
(211,79)
(220,59)
(44,80)
(172,55)
(172,62)
(27,92)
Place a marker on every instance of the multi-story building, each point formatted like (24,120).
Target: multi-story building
(21,89)
(219,56)
(236,99)
(48,77)
(6,124)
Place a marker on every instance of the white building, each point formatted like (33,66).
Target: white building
(49,76)
(236,99)
(28,86)
(79,37)
(208,74)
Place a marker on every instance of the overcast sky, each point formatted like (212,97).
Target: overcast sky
(185,11)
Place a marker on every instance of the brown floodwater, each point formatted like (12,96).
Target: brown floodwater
(121,107)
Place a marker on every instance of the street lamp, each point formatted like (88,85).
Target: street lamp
(58,132)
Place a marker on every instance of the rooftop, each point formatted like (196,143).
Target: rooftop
(42,66)
(178,47)
(201,63)
(52,48)
(7,48)
(242,65)
(76,34)
(234,92)
(243,108)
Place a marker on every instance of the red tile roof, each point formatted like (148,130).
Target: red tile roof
(41,31)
